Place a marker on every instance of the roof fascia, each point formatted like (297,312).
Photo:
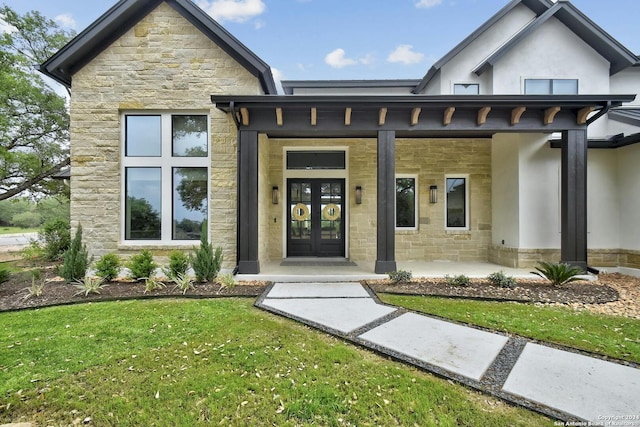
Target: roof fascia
(620,115)
(290,85)
(463,44)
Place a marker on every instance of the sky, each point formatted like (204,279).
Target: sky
(350,39)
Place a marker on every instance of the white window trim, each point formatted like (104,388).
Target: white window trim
(467,187)
(454,83)
(523,79)
(416,202)
(166,162)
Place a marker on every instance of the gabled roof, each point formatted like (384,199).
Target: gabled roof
(619,56)
(630,116)
(123,16)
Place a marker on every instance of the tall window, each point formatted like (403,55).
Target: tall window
(407,202)
(466,89)
(551,86)
(457,201)
(166,176)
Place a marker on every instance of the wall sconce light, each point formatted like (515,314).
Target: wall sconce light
(433,194)
(358,195)
(275,194)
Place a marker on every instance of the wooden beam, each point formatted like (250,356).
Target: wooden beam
(279,121)
(448,114)
(482,115)
(347,116)
(550,114)
(415,116)
(244,112)
(516,113)
(382,116)
(583,114)
(314,116)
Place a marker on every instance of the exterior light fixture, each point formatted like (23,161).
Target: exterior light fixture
(358,195)
(433,194)
(275,195)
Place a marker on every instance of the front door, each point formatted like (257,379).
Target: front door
(315,218)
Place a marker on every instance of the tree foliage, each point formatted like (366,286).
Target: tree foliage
(34,120)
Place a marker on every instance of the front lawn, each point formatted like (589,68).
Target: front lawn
(17,230)
(613,336)
(194,362)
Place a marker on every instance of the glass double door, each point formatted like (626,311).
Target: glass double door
(315,218)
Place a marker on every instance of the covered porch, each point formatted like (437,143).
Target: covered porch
(386,118)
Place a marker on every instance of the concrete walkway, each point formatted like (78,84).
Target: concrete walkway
(562,384)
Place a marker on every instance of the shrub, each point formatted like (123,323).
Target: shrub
(183,282)
(142,266)
(558,273)
(76,259)
(33,252)
(151,283)
(227,281)
(400,276)
(206,264)
(501,279)
(56,236)
(37,286)
(4,273)
(178,264)
(89,285)
(27,219)
(460,280)
(108,266)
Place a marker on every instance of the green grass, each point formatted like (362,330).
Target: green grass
(188,363)
(612,336)
(17,230)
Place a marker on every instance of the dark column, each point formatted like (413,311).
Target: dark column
(573,246)
(248,203)
(386,254)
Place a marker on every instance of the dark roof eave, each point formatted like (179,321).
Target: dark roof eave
(289,85)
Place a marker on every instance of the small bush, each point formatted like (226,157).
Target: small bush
(205,262)
(33,252)
(56,236)
(460,280)
(178,264)
(142,266)
(400,276)
(89,285)
(4,273)
(501,279)
(558,273)
(227,281)
(183,282)
(151,284)
(108,266)
(76,259)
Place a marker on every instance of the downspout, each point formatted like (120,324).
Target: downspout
(604,110)
(237,122)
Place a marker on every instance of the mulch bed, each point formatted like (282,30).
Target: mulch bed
(584,292)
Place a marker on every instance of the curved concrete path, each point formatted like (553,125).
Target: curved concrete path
(562,384)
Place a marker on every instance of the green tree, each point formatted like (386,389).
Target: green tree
(34,121)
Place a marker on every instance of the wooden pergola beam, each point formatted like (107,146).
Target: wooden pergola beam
(314,116)
(347,116)
(550,114)
(482,115)
(382,116)
(583,114)
(415,116)
(516,113)
(244,112)
(448,115)
(279,121)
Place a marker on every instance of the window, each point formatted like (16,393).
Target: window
(551,86)
(407,202)
(166,176)
(457,202)
(307,160)
(466,89)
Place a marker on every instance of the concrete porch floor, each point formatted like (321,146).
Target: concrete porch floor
(364,270)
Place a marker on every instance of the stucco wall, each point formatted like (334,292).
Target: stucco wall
(628,181)
(505,185)
(162,64)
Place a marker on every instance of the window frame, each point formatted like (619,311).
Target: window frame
(466,202)
(453,90)
(166,162)
(550,82)
(416,202)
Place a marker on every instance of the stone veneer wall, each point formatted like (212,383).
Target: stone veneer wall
(527,258)
(431,160)
(162,64)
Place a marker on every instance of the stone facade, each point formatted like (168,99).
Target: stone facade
(162,64)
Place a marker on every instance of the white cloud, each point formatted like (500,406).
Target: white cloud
(368,59)
(404,54)
(66,20)
(427,3)
(232,10)
(337,59)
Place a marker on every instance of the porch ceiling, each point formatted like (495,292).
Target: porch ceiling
(413,115)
